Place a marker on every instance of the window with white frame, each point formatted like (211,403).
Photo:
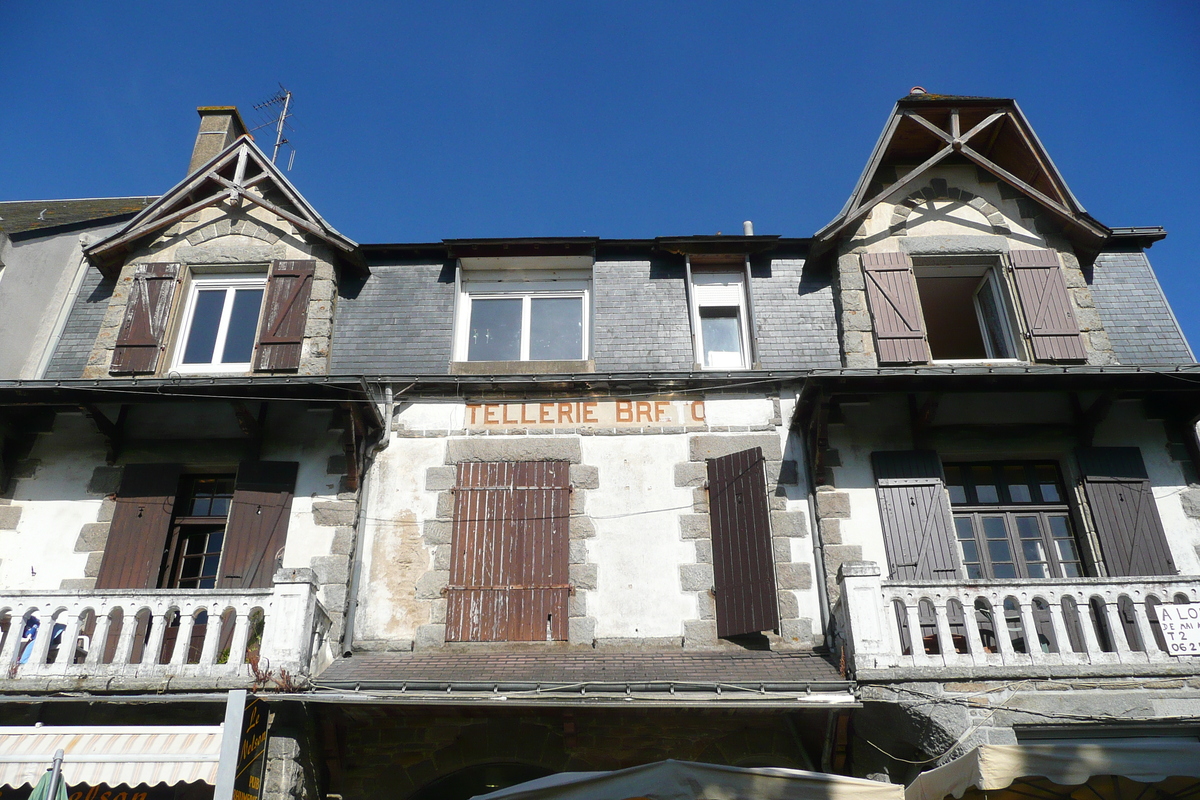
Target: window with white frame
(219,325)
(523,321)
(967,311)
(719,320)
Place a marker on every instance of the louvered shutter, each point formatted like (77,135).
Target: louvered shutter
(1131,533)
(137,536)
(1046,304)
(258,523)
(281,333)
(147,312)
(509,564)
(916,518)
(743,567)
(895,309)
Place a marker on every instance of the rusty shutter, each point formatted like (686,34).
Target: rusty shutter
(147,312)
(743,567)
(137,536)
(1049,318)
(915,512)
(258,523)
(895,309)
(1131,534)
(281,333)
(509,568)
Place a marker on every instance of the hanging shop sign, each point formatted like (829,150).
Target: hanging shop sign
(252,751)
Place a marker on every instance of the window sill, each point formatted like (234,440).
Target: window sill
(521,367)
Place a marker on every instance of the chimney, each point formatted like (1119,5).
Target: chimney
(220,126)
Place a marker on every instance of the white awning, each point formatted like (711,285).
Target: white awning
(686,780)
(1068,763)
(111,755)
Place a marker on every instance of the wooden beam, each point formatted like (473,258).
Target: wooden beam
(955,124)
(112,431)
(916,172)
(873,164)
(1037,156)
(938,132)
(163,222)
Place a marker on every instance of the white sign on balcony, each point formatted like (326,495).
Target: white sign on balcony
(1181,628)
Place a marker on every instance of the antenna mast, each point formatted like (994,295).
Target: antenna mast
(283,101)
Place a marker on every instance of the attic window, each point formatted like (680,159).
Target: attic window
(968,316)
(220,322)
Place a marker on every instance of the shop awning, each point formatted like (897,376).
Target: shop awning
(1067,765)
(111,755)
(686,780)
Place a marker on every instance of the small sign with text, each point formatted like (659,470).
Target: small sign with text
(1181,628)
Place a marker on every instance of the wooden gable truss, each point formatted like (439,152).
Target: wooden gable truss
(228,178)
(992,134)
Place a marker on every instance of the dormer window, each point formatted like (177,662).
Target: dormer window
(967,312)
(220,323)
(720,318)
(543,321)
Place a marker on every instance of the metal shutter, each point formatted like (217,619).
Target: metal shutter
(743,567)
(141,521)
(281,334)
(895,308)
(147,312)
(1127,523)
(258,523)
(509,567)
(1049,318)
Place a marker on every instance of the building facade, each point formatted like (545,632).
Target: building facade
(471,512)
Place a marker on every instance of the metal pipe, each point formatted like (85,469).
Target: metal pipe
(55,774)
(818,545)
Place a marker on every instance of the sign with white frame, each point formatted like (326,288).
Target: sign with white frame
(1181,628)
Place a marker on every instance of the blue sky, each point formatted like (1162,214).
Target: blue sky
(424,121)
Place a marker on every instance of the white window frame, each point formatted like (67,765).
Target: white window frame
(526,291)
(1002,295)
(228,282)
(720,298)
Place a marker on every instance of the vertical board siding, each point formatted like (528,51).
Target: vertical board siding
(137,536)
(281,333)
(743,566)
(895,308)
(147,312)
(258,522)
(1049,318)
(509,561)
(1131,533)
(915,512)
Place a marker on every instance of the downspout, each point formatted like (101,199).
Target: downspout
(810,488)
(364,496)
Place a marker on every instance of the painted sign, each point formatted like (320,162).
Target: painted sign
(587,414)
(1181,628)
(252,752)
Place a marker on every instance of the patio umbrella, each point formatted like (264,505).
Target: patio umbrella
(51,786)
(687,780)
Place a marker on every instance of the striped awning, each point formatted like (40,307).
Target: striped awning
(111,755)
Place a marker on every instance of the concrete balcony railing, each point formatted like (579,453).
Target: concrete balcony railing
(182,638)
(1076,626)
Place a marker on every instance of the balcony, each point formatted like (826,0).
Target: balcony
(1012,628)
(165,638)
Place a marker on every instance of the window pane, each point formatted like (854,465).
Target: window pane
(985,485)
(1018,486)
(955,484)
(720,331)
(990,317)
(495,333)
(206,317)
(243,326)
(556,329)
(1047,478)
(963,528)
(993,528)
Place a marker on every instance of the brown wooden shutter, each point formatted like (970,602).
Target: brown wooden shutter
(509,568)
(258,523)
(895,309)
(915,511)
(281,333)
(1049,318)
(1131,534)
(147,312)
(743,566)
(137,536)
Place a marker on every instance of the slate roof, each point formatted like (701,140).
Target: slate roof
(25,216)
(1136,316)
(750,666)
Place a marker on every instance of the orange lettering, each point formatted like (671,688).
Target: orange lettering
(523,419)
(76,796)
(106,796)
(643,411)
(507,421)
(565,413)
(138,796)
(474,409)
(698,410)
(589,411)
(624,411)
(660,410)
(545,409)
(489,414)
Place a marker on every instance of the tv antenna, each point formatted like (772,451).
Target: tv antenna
(275,111)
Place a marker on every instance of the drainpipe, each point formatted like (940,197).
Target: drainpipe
(818,550)
(364,496)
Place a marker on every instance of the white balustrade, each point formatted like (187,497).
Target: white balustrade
(161,633)
(896,624)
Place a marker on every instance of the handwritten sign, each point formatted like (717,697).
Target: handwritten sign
(252,752)
(1181,628)
(587,414)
